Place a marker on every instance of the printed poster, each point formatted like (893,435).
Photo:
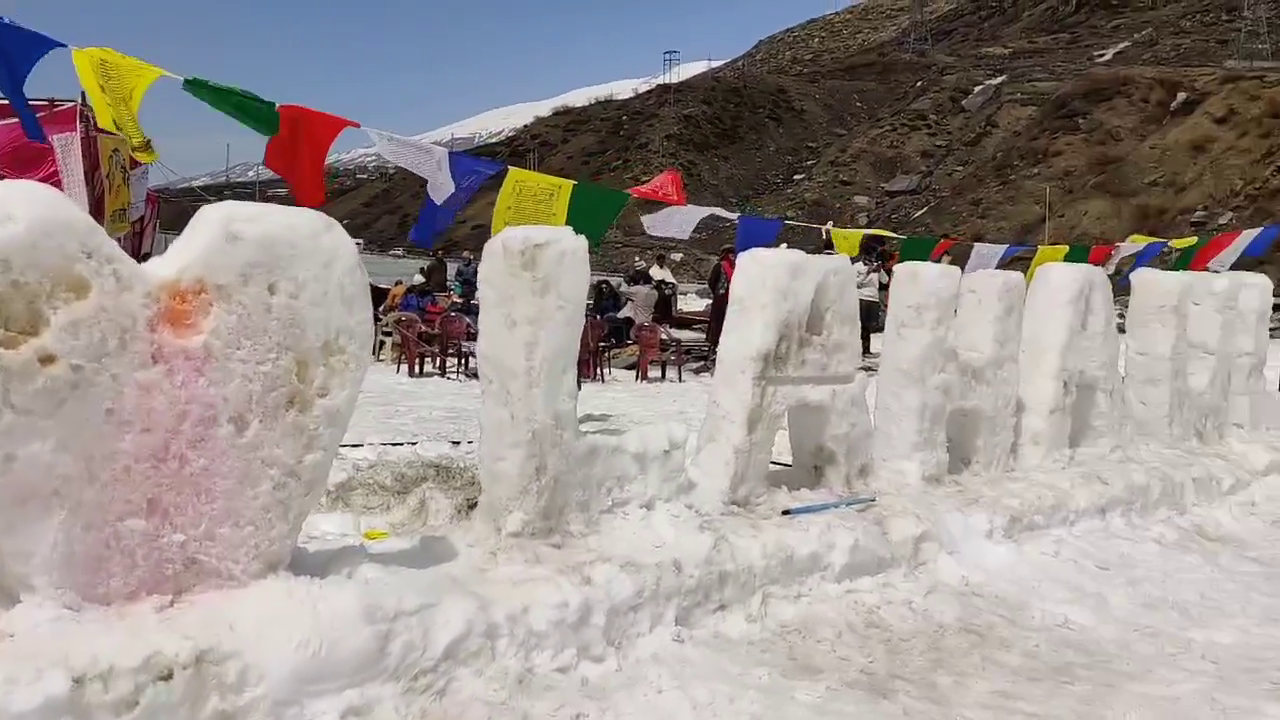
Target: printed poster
(113,154)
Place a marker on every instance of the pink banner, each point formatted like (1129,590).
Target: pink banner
(22,159)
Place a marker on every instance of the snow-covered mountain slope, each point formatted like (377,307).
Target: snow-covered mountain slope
(487,127)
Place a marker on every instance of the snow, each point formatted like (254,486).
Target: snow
(1069,389)
(1156,386)
(916,370)
(1138,577)
(790,332)
(985,338)
(487,127)
(144,405)
(532,281)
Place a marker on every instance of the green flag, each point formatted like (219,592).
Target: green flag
(593,209)
(253,112)
(1186,254)
(1077,254)
(917,247)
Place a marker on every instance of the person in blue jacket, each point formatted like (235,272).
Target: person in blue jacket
(415,300)
(465,277)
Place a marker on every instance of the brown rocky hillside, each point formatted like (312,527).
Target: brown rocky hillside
(1162,136)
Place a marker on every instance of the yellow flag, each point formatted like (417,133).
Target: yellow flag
(1177,243)
(115,83)
(847,242)
(114,160)
(531,198)
(1047,254)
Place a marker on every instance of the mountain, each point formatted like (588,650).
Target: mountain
(487,127)
(1130,116)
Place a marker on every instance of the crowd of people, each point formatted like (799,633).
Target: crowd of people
(647,294)
(432,294)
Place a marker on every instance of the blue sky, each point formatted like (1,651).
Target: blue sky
(405,66)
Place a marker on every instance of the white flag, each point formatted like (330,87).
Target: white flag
(985,256)
(679,221)
(1122,251)
(424,159)
(139,181)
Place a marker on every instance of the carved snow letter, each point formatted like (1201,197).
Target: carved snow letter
(790,344)
(1068,373)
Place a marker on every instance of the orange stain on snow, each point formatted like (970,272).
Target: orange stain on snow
(183,310)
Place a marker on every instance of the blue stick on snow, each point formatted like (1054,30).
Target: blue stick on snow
(819,507)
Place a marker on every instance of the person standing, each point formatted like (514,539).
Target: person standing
(436,274)
(665,284)
(869,275)
(718,281)
(466,277)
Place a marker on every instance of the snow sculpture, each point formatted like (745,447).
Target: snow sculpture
(791,338)
(914,386)
(540,475)
(1068,374)
(1212,327)
(985,338)
(1155,367)
(533,284)
(1248,391)
(167,428)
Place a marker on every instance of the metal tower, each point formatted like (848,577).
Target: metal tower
(1254,45)
(919,38)
(670,66)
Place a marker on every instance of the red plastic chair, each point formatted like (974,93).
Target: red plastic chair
(649,342)
(455,336)
(649,337)
(593,354)
(413,352)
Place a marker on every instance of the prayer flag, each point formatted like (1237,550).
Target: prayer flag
(297,153)
(115,84)
(467,173)
(531,198)
(20,50)
(755,232)
(593,209)
(256,113)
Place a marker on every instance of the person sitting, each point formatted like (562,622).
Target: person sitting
(436,306)
(641,299)
(394,296)
(415,300)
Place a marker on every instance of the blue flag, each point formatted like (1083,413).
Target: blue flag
(754,232)
(20,50)
(469,173)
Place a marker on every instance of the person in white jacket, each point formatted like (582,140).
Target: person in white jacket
(870,275)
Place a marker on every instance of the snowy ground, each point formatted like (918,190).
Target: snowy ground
(1145,588)
(1138,615)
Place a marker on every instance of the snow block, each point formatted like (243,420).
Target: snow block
(985,338)
(1212,326)
(1155,370)
(168,427)
(913,389)
(1068,365)
(533,284)
(791,338)
(1248,392)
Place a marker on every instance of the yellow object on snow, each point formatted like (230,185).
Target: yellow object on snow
(375,535)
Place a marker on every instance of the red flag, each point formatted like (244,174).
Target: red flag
(297,152)
(1100,254)
(666,187)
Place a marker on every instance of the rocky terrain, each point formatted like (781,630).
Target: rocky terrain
(1130,117)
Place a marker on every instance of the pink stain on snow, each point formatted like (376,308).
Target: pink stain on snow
(173,522)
